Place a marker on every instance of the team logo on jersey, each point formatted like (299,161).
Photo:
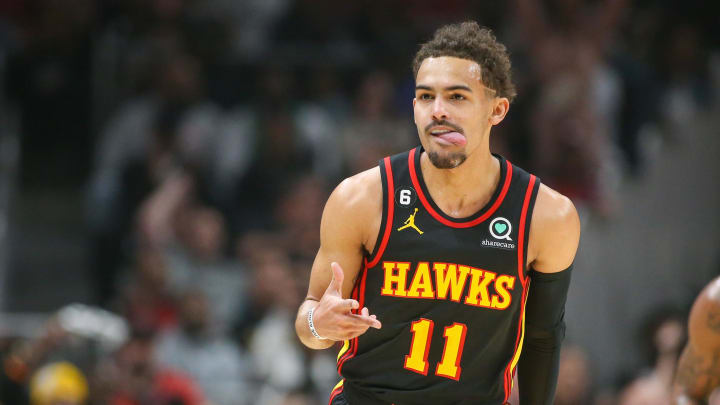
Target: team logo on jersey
(410,223)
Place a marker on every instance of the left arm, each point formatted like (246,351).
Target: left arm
(553,242)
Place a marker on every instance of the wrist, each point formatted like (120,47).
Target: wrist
(311,325)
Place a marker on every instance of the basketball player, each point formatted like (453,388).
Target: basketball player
(463,258)
(698,373)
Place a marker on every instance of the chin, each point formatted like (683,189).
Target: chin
(449,160)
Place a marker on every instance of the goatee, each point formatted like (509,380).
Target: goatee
(448,161)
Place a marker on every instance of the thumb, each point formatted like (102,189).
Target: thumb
(335,286)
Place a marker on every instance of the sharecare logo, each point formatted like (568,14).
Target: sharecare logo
(496,244)
(500,228)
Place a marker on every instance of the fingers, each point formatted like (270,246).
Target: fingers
(342,324)
(358,324)
(365,312)
(348,305)
(335,286)
(354,327)
(364,318)
(337,318)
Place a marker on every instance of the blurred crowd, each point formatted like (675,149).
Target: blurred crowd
(208,135)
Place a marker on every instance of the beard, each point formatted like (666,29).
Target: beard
(447,161)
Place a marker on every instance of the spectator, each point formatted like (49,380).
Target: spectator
(318,121)
(141,381)
(196,348)
(666,337)
(574,119)
(298,213)
(374,130)
(271,280)
(267,329)
(144,143)
(198,261)
(684,68)
(147,301)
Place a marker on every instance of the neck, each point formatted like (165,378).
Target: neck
(462,191)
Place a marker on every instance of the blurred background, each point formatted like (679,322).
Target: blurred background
(164,165)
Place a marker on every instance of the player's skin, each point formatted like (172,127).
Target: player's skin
(448,90)
(698,373)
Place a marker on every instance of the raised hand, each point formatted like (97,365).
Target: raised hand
(333,318)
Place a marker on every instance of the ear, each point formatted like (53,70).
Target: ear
(501,105)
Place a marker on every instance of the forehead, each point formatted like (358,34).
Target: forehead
(444,71)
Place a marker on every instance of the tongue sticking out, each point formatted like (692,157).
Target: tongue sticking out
(454,138)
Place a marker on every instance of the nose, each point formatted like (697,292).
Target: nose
(439,112)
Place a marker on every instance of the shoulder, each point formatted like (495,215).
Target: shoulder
(554,231)
(363,184)
(354,208)
(555,212)
(704,323)
(361,191)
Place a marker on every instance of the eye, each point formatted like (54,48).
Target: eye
(456,96)
(425,96)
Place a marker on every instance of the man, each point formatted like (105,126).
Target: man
(443,242)
(698,373)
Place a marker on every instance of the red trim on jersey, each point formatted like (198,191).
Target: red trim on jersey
(361,302)
(358,294)
(521,234)
(353,342)
(361,299)
(509,372)
(359,290)
(445,221)
(347,355)
(335,393)
(506,389)
(390,212)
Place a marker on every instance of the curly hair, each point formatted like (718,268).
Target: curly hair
(468,40)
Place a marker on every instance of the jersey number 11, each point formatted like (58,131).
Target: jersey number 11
(449,366)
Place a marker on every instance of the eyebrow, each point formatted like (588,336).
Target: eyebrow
(450,88)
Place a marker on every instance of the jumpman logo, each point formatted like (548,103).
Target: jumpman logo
(410,223)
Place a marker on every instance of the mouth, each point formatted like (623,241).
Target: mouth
(448,136)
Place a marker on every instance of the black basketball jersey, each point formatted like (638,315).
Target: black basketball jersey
(449,292)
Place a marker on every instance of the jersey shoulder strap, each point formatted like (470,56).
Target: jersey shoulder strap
(388,212)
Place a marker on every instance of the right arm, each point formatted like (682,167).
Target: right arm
(698,372)
(349,228)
